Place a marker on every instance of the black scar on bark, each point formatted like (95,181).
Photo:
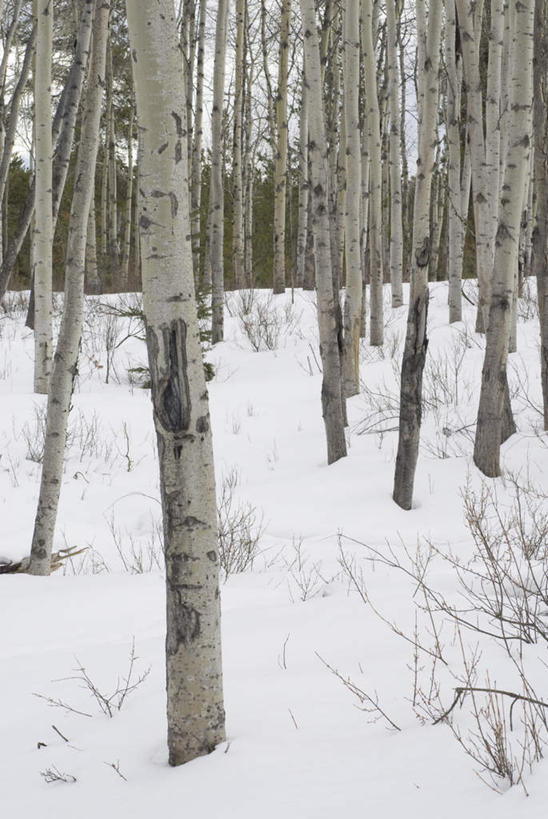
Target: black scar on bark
(202,424)
(169,378)
(187,624)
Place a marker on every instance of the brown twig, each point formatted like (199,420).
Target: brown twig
(461,692)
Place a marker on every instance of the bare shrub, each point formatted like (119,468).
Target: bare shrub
(501,599)
(263,321)
(305,578)
(108,704)
(240,529)
(53,774)
(139,555)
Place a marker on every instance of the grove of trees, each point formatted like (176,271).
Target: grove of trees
(183,148)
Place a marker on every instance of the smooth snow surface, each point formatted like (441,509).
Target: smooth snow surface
(298,747)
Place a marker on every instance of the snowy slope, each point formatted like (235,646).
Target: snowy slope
(297,744)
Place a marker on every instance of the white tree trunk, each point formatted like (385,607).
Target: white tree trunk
(280,157)
(216,196)
(43,220)
(540,234)
(489,430)
(376,326)
(332,401)
(181,412)
(458,199)
(68,345)
(303,184)
(353,301)
(238,267)
(416,341)
(396,226)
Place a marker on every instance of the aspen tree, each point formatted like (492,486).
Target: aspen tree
(458,171)
(332,401)
(540,234)
(376,326)
(396,226)
(303,184)
(198,133)
(66,353)
(280,156)
(93,281)
(353,301)
(416,342)
(237,163)
(249,160)
(484,142)
(195,709)
(216,195)
(112,174)
(126,248)
(62,138)
(489,429)
(43,220)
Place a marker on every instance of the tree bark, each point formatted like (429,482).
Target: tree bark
(43,219)
(540,233)
(280,157)
(181,414)
(376,324)
(353,300)
(396,225)
(238,268)
(332,402)
(216,195)
(416,341)
(198,133)
(489,430)
(62,138)
(66,353)
(303,184)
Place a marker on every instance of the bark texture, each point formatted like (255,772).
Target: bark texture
(216,196)
(181,414)
(376,326)
(332,401)
(540,235)
(65,366)
(280,158)
(416,340)
(353,301)
(43,219)
(494,384)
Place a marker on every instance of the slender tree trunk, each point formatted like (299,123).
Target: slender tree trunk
(124,270)
(303,185)
(396,225)
(62,139)
(112,206)
(489,430)
(353,301)
(237,167)
(376,326)
(93,282)
(248,164)
(216,195)
(66,353)
(540,233)
(43,224)
(280,157)
(195,709)
(416,341)
(196,176)
(458,207)
(332,404)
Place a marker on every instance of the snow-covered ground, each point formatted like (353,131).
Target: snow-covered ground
(300,744)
